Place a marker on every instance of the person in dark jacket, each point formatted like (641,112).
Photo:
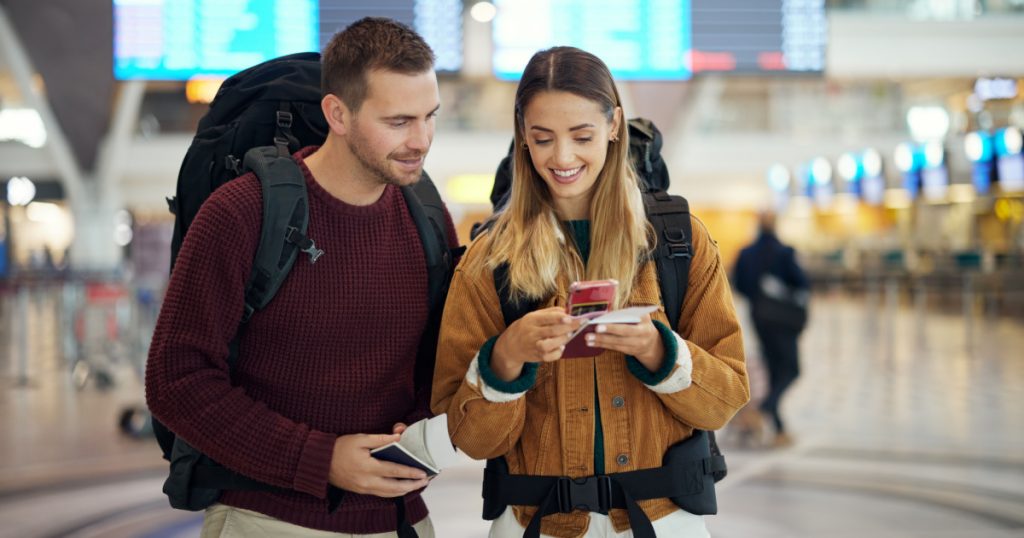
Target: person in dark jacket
(767,256)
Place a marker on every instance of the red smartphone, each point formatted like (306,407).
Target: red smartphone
(588,299)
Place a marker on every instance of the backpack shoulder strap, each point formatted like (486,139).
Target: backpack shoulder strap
(285,222)
(670,217)
(428,214)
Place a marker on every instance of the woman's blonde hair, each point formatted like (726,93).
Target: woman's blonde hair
(527,234)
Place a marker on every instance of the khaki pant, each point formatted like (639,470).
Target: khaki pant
(227,522)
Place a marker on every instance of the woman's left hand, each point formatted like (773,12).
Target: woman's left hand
(641,340)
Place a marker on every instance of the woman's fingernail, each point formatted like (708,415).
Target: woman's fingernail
(590,340)
(601,328)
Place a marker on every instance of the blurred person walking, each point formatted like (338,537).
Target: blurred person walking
(297,396)
(768,275)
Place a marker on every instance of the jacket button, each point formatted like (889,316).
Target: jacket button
(618,401)
(622,459)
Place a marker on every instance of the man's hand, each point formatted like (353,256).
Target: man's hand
(354,469)
(539,336)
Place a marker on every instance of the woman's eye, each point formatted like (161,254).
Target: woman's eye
(584,140)
(541,142)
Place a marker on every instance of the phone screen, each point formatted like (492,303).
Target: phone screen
(588,308)
(591,297)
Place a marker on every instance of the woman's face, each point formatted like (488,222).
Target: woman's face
(567,136)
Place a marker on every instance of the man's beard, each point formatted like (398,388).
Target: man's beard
(379,170)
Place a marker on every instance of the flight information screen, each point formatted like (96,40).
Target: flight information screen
(438,21)
(666,39)
(182,39)
(637,39)
(757,36)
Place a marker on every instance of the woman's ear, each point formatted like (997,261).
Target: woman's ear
(616,122)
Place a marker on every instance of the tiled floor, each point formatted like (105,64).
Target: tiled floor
(908,424)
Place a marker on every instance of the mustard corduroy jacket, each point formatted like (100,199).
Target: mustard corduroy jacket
(550,430)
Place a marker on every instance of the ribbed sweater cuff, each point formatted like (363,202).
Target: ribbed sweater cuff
(315,464)
(520,384)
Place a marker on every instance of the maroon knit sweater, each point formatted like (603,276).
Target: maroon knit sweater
(332,353)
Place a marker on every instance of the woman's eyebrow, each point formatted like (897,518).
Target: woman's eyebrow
(574,128)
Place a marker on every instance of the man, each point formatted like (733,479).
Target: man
(325,372)
(767,255)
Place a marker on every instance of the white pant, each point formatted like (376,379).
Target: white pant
(223,521)
(678,524)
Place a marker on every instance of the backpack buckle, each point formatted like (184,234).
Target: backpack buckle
(314,253)
(675,241)
(284,119)
(592,493)
(305,244)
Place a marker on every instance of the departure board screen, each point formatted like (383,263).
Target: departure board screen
(666,39)
(756,36)
(438,21)
(637,39)
(182,39)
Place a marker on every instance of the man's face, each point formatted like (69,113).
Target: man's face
(392,131)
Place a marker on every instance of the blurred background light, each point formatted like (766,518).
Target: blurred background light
(872,162)
(978,146)
(821,171)
(904,157)
(1008,141)
(779,178)
(22,125)
(470,188)
(927,122)
(934,154)
(20,191)
(848,167)
(483,11)
(43,212)
(898,199)
(202,90)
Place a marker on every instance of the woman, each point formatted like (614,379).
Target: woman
(576,213)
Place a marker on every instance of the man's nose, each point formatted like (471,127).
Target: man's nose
(420,137)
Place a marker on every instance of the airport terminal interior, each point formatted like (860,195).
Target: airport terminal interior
(884,135)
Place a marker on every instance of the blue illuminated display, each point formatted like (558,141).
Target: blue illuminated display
(180,39)
(638,39)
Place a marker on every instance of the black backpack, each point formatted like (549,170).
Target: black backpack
(668,214)
(259,117)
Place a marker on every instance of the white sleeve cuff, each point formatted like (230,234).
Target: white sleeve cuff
(682,374)
(491,394)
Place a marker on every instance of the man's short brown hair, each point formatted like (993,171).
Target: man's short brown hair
(367,44)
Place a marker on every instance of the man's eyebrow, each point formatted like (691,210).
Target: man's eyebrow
(574,128)
(410,116)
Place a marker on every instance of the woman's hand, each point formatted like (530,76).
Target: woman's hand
(641,340)
(539,336)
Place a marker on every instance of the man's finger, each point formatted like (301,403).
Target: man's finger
(372,441)
(388,469)
(390,487)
